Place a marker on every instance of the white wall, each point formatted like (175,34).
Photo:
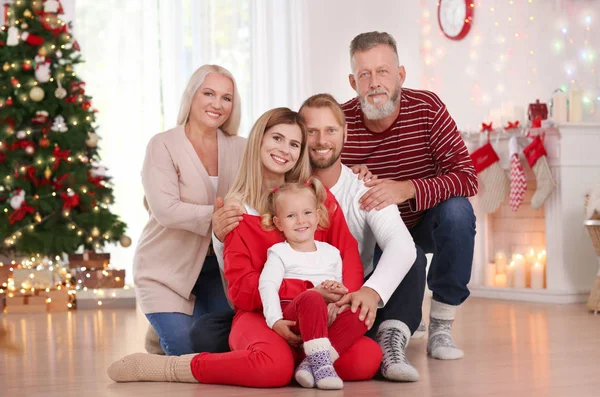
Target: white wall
(332,24)
(492,65)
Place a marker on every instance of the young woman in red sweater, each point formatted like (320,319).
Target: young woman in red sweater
(275,153)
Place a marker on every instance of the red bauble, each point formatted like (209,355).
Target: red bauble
(14,81)
(27,67)
(9,101)
(44,142)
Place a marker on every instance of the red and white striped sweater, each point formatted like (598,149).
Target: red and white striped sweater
(423,145)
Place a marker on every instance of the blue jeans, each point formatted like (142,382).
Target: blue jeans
(448,232)
(173,329)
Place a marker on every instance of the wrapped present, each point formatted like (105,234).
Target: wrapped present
(5,274)
(40,301)
(107,278)
(38,279)
(89,260)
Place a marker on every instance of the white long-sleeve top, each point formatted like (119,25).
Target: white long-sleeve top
(384,228)
(284,262)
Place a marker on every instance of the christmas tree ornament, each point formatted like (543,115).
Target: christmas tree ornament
(26,66)
(537,158)
(47,172)
(24,25)
(30,150)
(493,183)
(42,69)
(51,6)
(518,183)
(84,159)
(9,101)
(13,36)
(44,142)
(59,54)
(59,124)
(99,171)
(36,94)
(95,232)
(37,217)
(42,51)
(92,139)
(68,68)
(125,241)
(27,13)
(6,66)
(32,39)
(41,117)
(60,92)
(21,134)
(17,199)
(14,81)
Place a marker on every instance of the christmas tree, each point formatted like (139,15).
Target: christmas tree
(54,194)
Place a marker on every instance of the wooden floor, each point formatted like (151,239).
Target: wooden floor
(511,349)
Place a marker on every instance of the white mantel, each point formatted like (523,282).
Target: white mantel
(574,157)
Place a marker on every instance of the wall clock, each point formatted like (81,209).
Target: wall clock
(455,17)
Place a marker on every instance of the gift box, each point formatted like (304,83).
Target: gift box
(5,274)
(107,278)
(40,301)
(38,279)
(89,260)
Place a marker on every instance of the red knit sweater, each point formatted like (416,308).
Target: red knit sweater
(245,255)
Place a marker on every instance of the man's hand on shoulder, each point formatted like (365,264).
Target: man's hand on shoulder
(384,192)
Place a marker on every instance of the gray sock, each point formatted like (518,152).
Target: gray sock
(393,337)
(440,344)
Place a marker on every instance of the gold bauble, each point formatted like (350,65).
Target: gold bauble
(36,94)
(60,93)
(27,14)
(24,25)
(6,66)
(69,68)
(42,51)
(95,232)
(125,241)
(48,173)
(92,139)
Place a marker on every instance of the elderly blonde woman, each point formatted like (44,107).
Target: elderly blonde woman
(186,168)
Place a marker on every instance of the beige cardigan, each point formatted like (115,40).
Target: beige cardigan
(181,197)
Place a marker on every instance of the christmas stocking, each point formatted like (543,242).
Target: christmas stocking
(518,183)
(493,184)
(538,161)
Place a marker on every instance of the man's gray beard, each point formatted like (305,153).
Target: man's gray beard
(373,112)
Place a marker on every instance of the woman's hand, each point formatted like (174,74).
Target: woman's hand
(363,173)
(284,329)
(225,219)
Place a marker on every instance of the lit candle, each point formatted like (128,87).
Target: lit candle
(500,280)
(519,274)
(489,274)
(501,262)
(511,274)
(537,276)
(541,257)
(531,257)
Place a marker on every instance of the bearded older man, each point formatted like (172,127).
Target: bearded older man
(409,140)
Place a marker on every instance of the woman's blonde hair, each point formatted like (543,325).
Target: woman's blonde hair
(247,187)
(313,185)
(232,124)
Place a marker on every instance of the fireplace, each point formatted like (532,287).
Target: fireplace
(540,255)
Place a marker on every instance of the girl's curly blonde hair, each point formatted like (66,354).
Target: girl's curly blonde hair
(312,184)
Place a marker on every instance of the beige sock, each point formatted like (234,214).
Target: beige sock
(142,367)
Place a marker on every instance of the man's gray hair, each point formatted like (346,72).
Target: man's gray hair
(366,41)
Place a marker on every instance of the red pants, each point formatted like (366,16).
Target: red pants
(309,310)
(261,358)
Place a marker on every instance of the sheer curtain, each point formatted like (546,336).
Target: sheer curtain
(139,55)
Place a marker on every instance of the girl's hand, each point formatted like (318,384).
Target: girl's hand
(334,286)
(284,329)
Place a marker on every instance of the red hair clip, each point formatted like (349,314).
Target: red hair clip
(307,183)
(274,190)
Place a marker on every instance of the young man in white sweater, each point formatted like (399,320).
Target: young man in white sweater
(391,298)
(392,295)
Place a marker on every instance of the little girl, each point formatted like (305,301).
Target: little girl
(297,209)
